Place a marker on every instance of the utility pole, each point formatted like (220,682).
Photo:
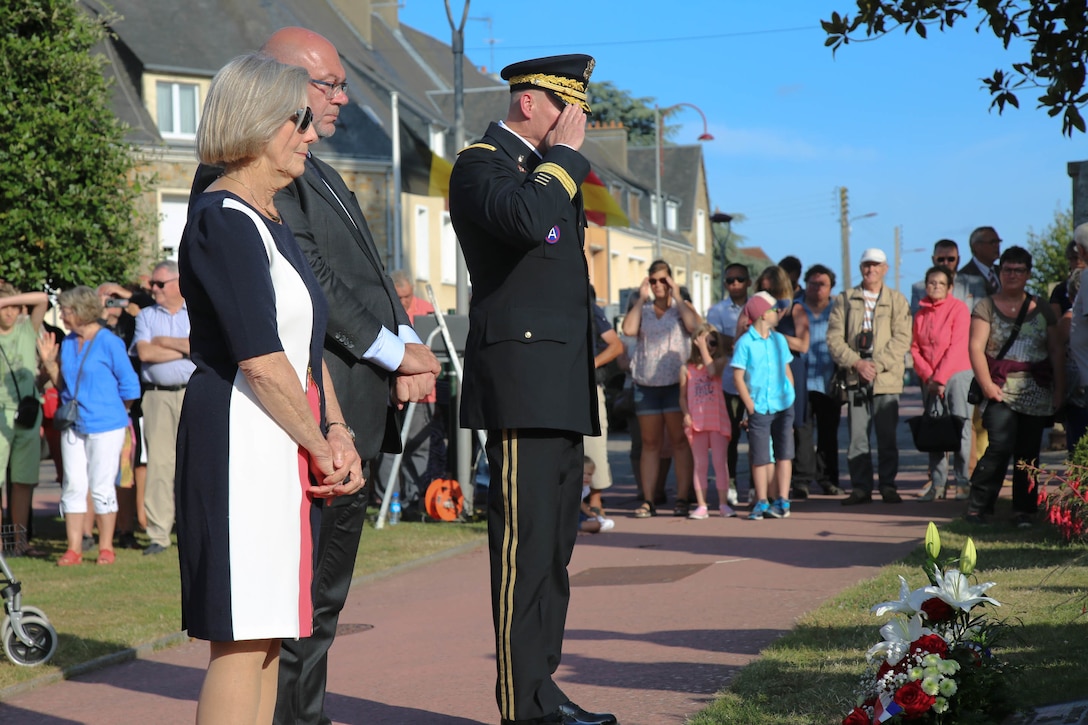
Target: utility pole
(844,228)
(898,257)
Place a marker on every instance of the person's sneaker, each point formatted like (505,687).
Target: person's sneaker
(731,497)
(750,497)
(758,510)
(89,542)
(727,512)
(699,513)
(799,492)
(153,549)
(780,509)
(974,518)
(682,508)
(606,524)
(1022,521)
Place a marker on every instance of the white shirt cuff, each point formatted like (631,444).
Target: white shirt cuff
(407,334)
(387,351)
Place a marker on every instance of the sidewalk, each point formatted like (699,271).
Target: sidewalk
(664,611)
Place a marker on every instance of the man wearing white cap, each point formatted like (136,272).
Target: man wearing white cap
(869,335)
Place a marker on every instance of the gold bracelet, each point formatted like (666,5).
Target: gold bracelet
(340,423)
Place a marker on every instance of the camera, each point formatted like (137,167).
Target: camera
(116,302)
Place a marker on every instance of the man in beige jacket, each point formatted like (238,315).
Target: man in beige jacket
(869,335)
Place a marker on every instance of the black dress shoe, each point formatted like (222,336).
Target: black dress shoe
(890,495)
(831,489)
(857,496)
(799,491)
(571,714)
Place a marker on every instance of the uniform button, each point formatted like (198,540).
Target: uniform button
(528,334)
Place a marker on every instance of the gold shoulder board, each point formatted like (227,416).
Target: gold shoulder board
(486,146)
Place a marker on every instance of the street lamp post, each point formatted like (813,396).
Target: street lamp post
(659,203)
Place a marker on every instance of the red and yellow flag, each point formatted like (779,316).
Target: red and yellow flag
(601,207)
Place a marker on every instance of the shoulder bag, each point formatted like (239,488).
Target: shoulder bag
(68,414)
(840,380)
(974,393)
(26,415)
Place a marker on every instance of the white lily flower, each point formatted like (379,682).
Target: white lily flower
(956,590)
(902,606)
(898,634)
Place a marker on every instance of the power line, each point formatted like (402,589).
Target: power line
(646,41)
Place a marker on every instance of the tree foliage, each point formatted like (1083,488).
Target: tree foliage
(1055,30)
(68,187)
(1049,264)
(636,114)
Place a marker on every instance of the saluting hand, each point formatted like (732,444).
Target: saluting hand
(569,129)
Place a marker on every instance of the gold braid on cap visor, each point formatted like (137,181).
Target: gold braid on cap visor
(569,89)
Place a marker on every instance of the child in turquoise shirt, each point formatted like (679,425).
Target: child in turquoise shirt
(761,371)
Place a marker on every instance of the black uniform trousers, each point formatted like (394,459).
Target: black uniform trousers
(532,523)
(304,662)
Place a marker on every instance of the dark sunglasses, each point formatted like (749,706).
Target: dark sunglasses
(160,284)
(303,117)
(658,280)
(946,259)
(734,280)
(782,305)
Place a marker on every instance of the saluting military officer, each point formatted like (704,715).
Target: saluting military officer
(518,213)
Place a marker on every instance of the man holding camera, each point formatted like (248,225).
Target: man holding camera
(869,335)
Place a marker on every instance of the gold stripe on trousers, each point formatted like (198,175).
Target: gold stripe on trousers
(508,565)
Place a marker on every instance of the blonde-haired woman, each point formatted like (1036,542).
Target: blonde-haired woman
(261,434)
(95,372)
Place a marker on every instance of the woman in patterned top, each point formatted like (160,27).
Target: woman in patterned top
(1021,390)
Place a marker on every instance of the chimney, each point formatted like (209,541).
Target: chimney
(356,13)
(611,138)
(387,10)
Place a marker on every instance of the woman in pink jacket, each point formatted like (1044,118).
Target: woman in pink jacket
(939,348)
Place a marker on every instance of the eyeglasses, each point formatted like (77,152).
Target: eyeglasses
(658,280)
(331,89)
(1020,271)
(160,283)
(734,280)
(938,260)
(303,117)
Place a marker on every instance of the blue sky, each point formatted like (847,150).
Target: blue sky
(902,122)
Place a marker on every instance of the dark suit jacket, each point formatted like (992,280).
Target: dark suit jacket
(360,294)
(521,225)
(971,270)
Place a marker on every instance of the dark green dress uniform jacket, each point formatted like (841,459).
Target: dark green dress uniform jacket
(521,225)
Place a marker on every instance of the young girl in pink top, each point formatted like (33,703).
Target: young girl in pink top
(706,419)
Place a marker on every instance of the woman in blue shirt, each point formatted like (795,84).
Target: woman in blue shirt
(95,371)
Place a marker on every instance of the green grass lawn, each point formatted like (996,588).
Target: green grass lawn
(809,676)
(99,610)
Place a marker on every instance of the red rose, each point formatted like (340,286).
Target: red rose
(857,716)
(914,701)
(930,643)
(937,610)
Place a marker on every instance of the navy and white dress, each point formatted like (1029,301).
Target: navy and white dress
(245,521)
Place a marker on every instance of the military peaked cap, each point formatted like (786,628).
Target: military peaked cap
(567,76)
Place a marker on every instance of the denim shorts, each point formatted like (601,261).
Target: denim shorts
(656,399)
(767,428)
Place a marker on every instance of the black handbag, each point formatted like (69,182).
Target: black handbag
(26,415)
(974,392)
(67,415)
(937,430)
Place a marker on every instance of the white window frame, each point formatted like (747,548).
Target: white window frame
(671,209)
(421,231)
(700,231)
(174,89)
(449,250)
